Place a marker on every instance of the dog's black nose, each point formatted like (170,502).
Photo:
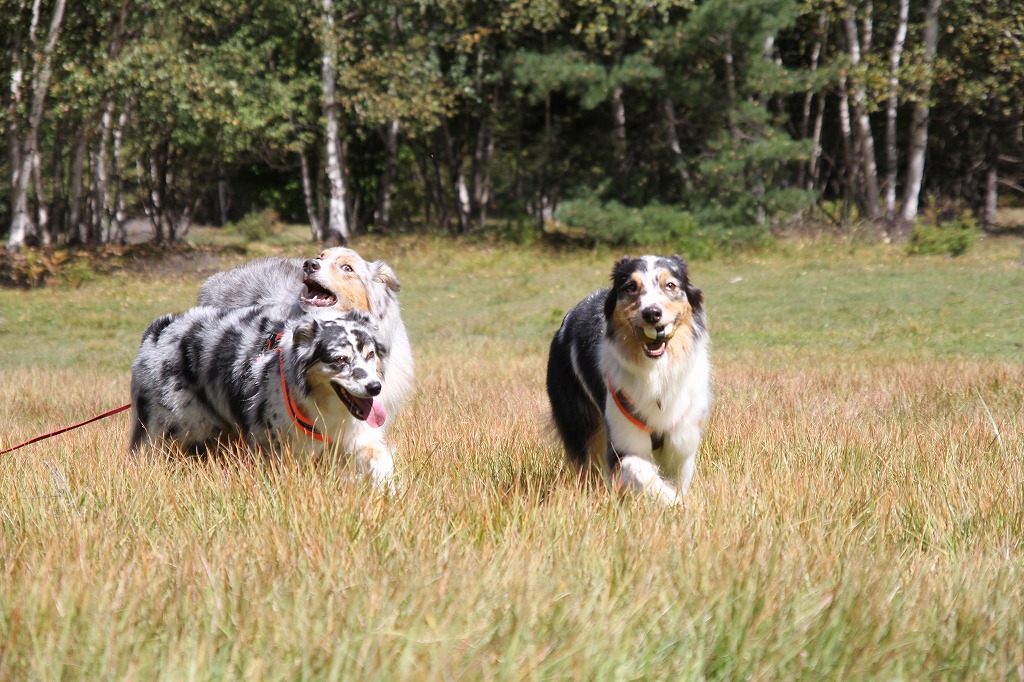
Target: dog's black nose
(651,314)
(310,266)
(373,388)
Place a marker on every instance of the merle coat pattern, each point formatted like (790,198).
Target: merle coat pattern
(338,279)
(211,377)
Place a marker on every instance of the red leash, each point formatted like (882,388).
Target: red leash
(67,428)
(301,420)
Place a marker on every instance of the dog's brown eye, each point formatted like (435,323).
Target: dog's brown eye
(631,288)
(671,286)
(371,355)
(347,268)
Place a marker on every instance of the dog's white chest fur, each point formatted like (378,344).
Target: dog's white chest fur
(666,391)
(669,400)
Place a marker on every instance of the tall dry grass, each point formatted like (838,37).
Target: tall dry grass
(854,515)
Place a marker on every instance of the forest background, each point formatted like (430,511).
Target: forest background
(858,511)
(692,123)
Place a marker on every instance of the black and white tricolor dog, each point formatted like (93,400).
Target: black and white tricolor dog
(211,377)
(629,377)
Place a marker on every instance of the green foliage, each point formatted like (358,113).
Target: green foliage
(569,71)
(614,224)
(707,105)
(944,238)
(258,225)
(78,272)
(744,178)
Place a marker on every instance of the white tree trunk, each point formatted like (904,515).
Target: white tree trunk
(387,180)
(819,124)
(462,189)
(891,157)
(865,139)
(485,189)
(852,166)
(457,178)
(42,209)
(988,218)
(919,121)
(117,223)
(669,108)
(337,221)
(307,195)
(21,176)
(810,180)
(477,181)
(74,230)
(100,224)
(619,118)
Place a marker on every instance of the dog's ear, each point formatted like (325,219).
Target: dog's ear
(693,295)
(609,303)
(621,270)
(620,273)
(383,273)
(305,332)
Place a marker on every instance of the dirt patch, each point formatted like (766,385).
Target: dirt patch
(36,267)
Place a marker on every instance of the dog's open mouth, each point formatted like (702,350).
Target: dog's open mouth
(317,295)
(654,339)
(655,349)
(369,410)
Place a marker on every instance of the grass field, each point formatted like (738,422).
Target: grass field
(857,512)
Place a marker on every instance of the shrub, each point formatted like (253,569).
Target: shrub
(77,273)
(693,234)
(945,238)
(258,225)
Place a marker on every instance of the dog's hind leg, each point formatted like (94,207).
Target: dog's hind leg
(137,437)
(581,428)
(579,422)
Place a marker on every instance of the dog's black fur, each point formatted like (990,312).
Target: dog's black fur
(593,343)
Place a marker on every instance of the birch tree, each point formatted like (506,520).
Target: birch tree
(24,130)
(810,181)
(336,229)
(919,121)
(865,138)
(891,156)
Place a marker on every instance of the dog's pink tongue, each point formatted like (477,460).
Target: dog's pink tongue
(377,414)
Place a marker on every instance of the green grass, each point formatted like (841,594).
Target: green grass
(857,512)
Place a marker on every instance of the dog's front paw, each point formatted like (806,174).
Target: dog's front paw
(667,495)
(639,476)
(377,465)
(382,474)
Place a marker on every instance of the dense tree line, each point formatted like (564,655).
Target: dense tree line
(378,113)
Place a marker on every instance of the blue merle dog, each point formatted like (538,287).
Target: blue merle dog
(213,377)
